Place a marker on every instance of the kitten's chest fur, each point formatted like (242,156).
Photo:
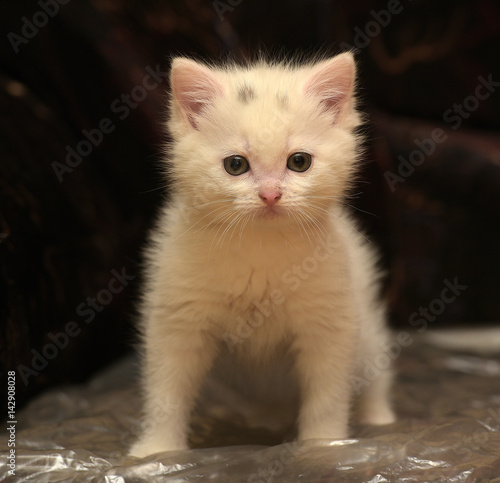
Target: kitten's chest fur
(257,285)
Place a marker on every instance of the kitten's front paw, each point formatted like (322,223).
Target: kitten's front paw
(147,446)
(378,416)
(324,431)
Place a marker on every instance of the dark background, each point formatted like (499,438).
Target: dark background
(60,241)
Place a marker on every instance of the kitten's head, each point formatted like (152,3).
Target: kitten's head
(273,143)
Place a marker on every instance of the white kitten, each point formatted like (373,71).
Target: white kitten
(255,252)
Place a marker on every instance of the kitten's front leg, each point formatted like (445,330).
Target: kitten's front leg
(325,360)
(176,362)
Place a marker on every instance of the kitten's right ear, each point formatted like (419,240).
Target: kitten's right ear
(194,88)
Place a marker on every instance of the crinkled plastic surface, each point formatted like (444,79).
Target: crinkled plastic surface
(448,430)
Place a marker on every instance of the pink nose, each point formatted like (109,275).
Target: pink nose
(270,197)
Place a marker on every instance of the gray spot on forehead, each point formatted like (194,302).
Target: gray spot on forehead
(245,93)
(282,100)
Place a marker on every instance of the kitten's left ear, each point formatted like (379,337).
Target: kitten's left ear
(332,84)
(194,89)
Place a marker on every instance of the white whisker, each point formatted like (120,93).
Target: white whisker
(212,202)
(362,211)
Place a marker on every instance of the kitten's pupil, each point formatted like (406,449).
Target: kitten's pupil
(299,162)
(236,165)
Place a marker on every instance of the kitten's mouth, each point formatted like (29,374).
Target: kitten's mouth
(270,212)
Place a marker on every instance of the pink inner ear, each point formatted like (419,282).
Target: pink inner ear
(332,84)
(194,88)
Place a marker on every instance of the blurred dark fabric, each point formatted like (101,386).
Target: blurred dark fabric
(65,236)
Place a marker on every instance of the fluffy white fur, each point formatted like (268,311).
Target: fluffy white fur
(230,274)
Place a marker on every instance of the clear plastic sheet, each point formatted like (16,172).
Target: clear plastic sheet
(448,430)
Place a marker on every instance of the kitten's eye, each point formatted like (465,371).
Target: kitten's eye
(236,165)
(299,162)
